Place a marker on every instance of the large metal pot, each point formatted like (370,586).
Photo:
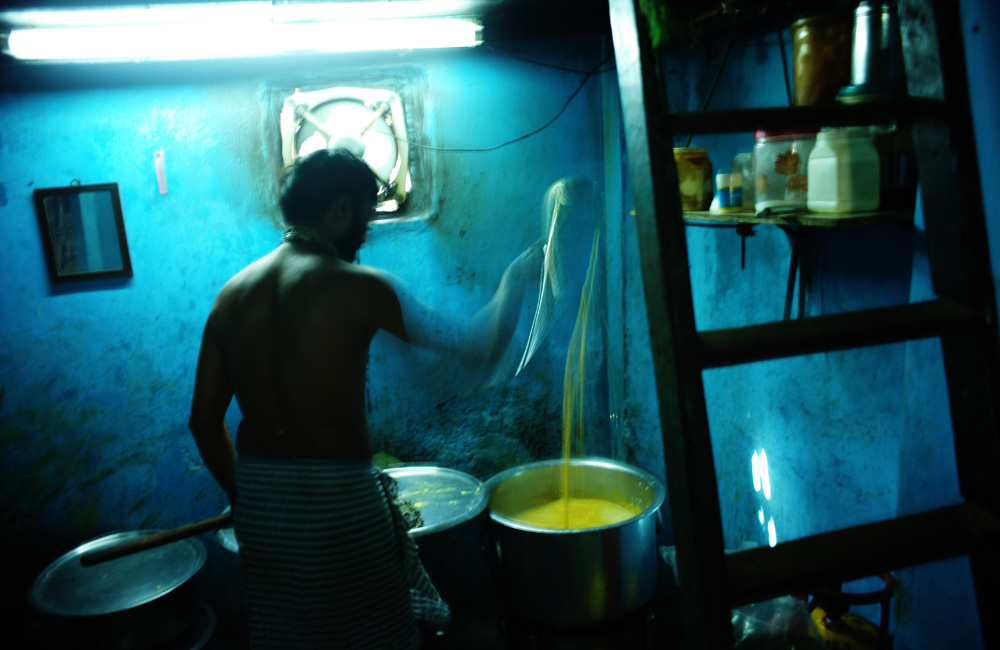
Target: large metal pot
(578,577)
(451,504)
(143,600)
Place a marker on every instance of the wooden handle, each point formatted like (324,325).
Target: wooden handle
(156,539)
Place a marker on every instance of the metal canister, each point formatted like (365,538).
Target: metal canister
(867,42)
(876,55)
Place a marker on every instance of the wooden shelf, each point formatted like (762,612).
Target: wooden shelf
(803,218)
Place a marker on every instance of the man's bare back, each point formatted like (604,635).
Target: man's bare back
(293,331)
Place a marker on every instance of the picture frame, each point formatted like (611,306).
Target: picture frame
(83,232)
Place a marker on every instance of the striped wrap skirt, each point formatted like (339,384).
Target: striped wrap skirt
(326,559)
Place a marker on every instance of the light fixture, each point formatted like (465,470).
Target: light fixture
(237,29)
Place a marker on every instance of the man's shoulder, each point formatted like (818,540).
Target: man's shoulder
(247,277)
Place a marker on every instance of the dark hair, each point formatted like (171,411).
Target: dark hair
(312,183)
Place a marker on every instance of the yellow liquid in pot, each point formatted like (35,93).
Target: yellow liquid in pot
(574,379)
(575,512)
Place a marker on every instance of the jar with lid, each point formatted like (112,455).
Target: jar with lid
(843,171)
(694,177)
(781,178)
(821,56)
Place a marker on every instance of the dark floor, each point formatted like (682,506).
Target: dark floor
(650,627)
(479,625)
(646,629)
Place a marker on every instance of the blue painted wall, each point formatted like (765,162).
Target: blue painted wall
(851,437)
(95,379)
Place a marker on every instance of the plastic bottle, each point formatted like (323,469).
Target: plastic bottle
(843,171)
(729,191)
(743,165)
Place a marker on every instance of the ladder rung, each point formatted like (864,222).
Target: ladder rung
(861,551)
(750,119)
(727,347)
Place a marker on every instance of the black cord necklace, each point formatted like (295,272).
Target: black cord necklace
(309,235)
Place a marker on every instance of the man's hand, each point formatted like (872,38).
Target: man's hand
(527,266)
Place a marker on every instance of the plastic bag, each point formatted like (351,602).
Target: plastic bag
(783,623)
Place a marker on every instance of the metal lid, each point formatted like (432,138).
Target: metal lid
(445,497)
(67,588)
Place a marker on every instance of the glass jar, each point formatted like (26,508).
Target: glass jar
(821,56)
(781,178)
(694,177)
(844,171)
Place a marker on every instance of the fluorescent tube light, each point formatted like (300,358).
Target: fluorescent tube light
(211,32)
(251,11)
(311,11)
(262,10)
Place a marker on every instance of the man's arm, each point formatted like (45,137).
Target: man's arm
(479,341)
(212,395)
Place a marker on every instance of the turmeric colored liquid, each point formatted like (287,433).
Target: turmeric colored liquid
(574,380)
(570,513)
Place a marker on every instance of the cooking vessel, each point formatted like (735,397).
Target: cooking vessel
(577,577)
(451,505)
(140,600)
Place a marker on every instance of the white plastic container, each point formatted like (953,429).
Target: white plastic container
(843,171)
(743,167)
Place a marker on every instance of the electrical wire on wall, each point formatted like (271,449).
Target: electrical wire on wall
(599,68)
(718,73)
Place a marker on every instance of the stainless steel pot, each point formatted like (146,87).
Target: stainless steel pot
(579,577)
(138,601)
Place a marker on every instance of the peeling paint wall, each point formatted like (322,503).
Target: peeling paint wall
(96,377)
(850,437)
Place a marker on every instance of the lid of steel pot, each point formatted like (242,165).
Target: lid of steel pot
(445,497)
(67,588)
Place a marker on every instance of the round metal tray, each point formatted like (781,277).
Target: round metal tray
(67,588)
(445,497)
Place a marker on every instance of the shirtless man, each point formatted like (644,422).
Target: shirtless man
(288,337)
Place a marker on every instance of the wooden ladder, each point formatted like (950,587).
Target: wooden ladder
(963,316)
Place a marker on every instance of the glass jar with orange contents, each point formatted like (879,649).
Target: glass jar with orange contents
(694,177)
(780,162)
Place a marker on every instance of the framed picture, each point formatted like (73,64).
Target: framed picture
(83,232)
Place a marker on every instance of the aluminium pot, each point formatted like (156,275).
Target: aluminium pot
(577,577)
(140,601)
(451,505)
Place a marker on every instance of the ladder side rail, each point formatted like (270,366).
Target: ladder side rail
(957,249)
(957,244)
(690,469)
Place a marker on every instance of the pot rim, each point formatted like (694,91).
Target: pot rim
(55,590)
(659,492)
